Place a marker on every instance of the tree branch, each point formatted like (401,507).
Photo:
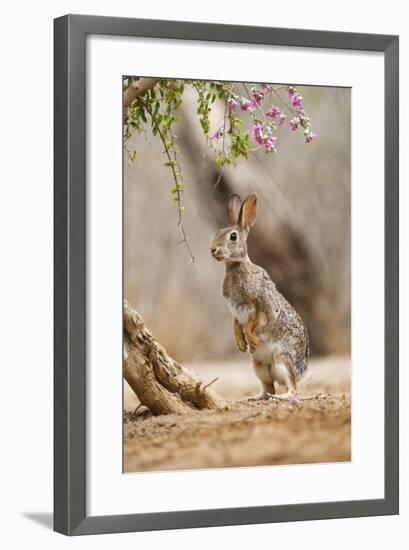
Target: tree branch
(137,88)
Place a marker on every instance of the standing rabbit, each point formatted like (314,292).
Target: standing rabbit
(263,319)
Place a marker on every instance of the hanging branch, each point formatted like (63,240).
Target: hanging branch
(173,164)
(161,103)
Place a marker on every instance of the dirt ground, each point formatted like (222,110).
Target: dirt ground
(246,433)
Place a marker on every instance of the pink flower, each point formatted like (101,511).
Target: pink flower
(257,98)
(294,97)
(309,138)
(266,141)
(294,399)
(246,105)
(270,142)
(296,100)
(216,135)
(294,123)
(282,120)
(257,135)
(233,103)
(273,112)
(266,88)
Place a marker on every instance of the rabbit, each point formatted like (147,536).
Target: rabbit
(263,320)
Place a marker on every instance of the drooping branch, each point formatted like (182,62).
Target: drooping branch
(161,384)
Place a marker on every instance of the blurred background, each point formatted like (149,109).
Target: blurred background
(302,234)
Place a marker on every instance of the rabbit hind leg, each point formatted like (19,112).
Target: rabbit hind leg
(282,373)
(263,373)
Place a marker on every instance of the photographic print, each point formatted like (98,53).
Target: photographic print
(237,266)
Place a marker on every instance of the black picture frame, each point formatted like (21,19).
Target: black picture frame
(70,351)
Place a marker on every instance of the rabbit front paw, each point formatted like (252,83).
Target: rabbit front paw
(253,347)
(239,336)
(242,345)
(253,342)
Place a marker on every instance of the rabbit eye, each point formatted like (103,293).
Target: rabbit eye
(233,236)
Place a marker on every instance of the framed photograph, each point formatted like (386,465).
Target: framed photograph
(226,275)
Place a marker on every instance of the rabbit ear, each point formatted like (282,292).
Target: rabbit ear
(248,212)
(234,209)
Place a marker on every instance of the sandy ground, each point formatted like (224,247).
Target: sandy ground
(246,433)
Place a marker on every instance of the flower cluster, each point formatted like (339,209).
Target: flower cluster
(235,102)
(272,116)
(300,119)
(277,115)
(242,103)
(294,97)
(262,136)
